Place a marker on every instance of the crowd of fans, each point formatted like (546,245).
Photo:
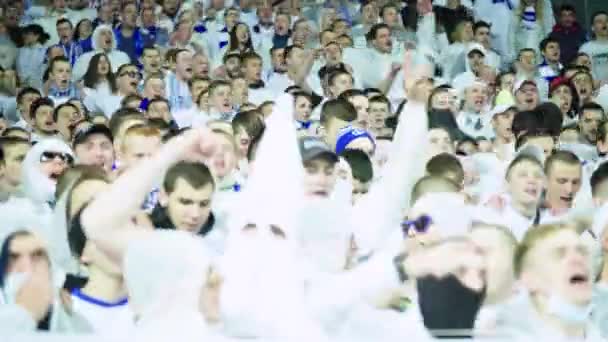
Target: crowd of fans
(341,170)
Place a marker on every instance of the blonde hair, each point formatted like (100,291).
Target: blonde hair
(534,236)
(140,131)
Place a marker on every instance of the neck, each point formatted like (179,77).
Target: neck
(524,209)
(292,74)
(104,287)
(568,330)
(127,31)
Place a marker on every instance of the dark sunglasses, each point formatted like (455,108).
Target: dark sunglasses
(132,74)
(50,156)
(420,225)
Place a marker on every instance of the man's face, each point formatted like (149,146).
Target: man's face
(26,103)
(525,183)
(564,182)
(148,17)
(240,91)
(137,148)
(151,61)
(560,264)
(61,74)
(342,83)
(551,52)
(278,60)
(333,54)
(303,109)
(378,112)
(27,253)
(369,13)
(97,150)
(221,99)
(13,160)
(233,67)
(159,110)
(128,79)
(198,87)
(129,15)
(589,124)
(502,124)
(44,119)
(482,36)
(65,32)
(171,6)
(66,116)
(475,98)
(154,88)
(105,12)
(281,25)
(562,97)
(527,97)
(105,39)
(252,70)
(243,140)
(295,58)
(361,104)
(184,65)
(232,17)
(53,164)
(328,37)
(320,177)
(584,85)
(341,27)
(223,160)
(189,208)
(567,18)
(440,142)
(390,17)
(200,66)
(359,189)
(383,42)
(527,60)
(499,253)
(600,25)
(476,60)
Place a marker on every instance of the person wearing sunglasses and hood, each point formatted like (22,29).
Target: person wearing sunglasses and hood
(42,166)
(103,42)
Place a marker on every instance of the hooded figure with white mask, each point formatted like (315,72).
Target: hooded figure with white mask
(103,41)
(42,166)
(27,271)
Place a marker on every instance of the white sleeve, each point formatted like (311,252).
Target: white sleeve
(15,319)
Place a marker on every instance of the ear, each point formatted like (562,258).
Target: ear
(163,198)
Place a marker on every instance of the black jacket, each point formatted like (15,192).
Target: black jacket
(160,219)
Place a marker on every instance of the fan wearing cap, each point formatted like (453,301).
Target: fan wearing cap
(502,122)
(474,120)
(93,145)
(475,59)
(319,164)
(527,96)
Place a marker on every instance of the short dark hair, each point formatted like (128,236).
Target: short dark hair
(216,84)
(360,164)
(373,32)
(246,56)
(597,14)
(61,106)
(566,8)
(543,43)
(387,6)
(566,157)
(602,131)
(251,121)
(445,164)
(380,99)
(333,75)
(289,49)
(338,108)
(599,176)
(592,106)
(195,174)
(43,101)
(63,21)
(481,24)
(121,116)
(26,91)
(56,60)
(349,93)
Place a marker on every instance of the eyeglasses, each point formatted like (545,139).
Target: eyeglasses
(132,74)
(50,156)
(420,225)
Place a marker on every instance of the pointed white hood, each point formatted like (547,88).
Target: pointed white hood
(36,185)
(96,36)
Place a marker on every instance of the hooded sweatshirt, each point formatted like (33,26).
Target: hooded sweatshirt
(117,57)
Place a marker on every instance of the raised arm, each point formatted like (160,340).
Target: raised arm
(376,215)
(107,220)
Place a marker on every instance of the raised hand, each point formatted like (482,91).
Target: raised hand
(36,293)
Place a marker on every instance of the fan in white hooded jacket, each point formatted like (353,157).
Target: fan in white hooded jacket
(103,41)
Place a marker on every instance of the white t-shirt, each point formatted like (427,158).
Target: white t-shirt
(103,316)
(598,51)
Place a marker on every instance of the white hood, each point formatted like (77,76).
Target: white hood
(96,34)
(164,273)
(36,185)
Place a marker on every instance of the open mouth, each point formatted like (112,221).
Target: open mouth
(566,199)
(579,279)
(133,84)
(320,193)
(189,70)
(154,65)
(532,191)
(584,91)
(55,176)
(63,82)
